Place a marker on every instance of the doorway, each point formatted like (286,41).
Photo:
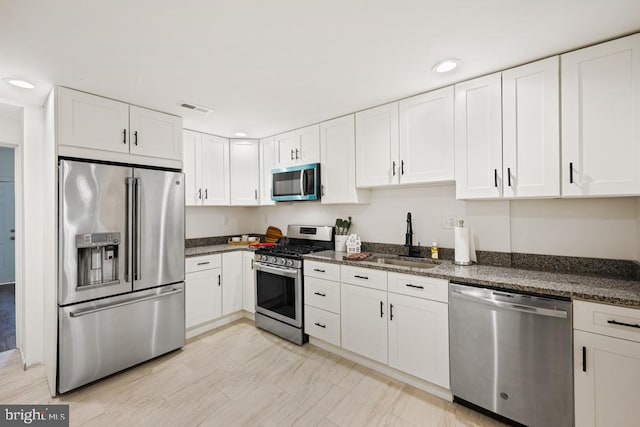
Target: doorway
(7,250)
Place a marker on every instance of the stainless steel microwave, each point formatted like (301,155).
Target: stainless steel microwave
(296,183)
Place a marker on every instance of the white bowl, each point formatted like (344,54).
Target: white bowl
(253,239)
(235,239)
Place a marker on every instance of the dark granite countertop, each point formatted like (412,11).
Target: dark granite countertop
(213,249)
(589,288)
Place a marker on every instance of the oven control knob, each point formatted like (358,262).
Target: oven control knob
(289,262)
(273,260)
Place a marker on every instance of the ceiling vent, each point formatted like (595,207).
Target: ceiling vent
(193,107)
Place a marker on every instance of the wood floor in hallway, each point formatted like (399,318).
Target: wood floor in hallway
(241,376)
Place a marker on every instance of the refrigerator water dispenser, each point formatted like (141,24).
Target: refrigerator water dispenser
(98,259)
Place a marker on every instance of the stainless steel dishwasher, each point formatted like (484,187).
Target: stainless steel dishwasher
(511,354)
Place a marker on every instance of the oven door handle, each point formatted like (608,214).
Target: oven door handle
(289,272)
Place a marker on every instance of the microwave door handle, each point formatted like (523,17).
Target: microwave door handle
(302,175)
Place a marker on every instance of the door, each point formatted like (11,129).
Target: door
(158,256)
(478,138)
(214,166)
(155,134)
(7,232)
(232,286)
(377,146)
(267,163)
(426,137)
(249,282)
(286,146)
(364,321)
(601,119)
(606,376)
(309,145)
(419,338)
(191,166)
(90,121)
(244,175)
(531,130)
(203,297)
(93,198)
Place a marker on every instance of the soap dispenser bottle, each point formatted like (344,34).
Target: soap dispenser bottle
(434,250)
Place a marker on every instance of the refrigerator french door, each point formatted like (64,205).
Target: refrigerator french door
(121,268)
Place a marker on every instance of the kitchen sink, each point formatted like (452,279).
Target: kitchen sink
(406,263)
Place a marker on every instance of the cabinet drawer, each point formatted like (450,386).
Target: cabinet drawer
(322,270)
(322,294)
(199,263)
(419,286)
(369,278)
(322,325)
(619,322)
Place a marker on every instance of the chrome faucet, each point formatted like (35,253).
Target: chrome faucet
(408,239)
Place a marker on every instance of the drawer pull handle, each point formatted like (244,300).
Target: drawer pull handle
(320,325)
(319,270)
(414,286)
(320,294)
(630,325)
(361,277)
(204,263)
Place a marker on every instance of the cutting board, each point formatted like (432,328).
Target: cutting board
(273,234)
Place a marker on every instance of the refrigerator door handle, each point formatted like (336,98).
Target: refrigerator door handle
(137,232)
(128,223)
(127,302)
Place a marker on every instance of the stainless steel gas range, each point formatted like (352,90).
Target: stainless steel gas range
(280,280)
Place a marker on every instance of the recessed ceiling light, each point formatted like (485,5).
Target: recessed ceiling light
(19,83)
(446,65)
(240,134)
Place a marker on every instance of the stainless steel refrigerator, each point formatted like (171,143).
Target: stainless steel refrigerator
(121,268)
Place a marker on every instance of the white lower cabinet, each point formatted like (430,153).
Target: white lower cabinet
(203,296)
(606,355)
(364,321)
(249,282)
(232,283)
(419,338)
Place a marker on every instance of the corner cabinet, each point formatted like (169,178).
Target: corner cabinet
(338,160)
(298,147)
(244,165)
(267,163)
(601,119)
(206,169)
(91,126)
(606,365)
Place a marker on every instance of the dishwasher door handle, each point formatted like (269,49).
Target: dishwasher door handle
(549,312)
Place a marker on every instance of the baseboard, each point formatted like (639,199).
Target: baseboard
(423,385)
(217,323)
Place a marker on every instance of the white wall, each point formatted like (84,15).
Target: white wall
(218,221)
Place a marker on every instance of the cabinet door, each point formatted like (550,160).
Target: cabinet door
(90,121)
(531,130)
(245,172)
(192,149)
(426,137)
(478,138)
(338,162)
(267,163)
(419,338)
(202,297)
(364,321)
(249,298)
(601,119)
(377,146)
(155,134)
(214,163)
(232,283)
(606,385)
(308,145)
(286,146)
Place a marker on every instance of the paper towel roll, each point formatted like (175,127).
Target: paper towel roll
(462,249)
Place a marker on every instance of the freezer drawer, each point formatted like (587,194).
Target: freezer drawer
(102,337)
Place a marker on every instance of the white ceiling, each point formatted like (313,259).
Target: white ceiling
(270,66)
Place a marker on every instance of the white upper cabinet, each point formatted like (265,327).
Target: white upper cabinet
(90,121)
(426,137)
(478,138)
(377,146)
(206,169)
(601,119)
(267,163)
(531,130)
(244,172)
(155,134)
(298,147)
(91,126)
(337,162)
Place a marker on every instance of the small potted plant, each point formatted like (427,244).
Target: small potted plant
(342,233)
